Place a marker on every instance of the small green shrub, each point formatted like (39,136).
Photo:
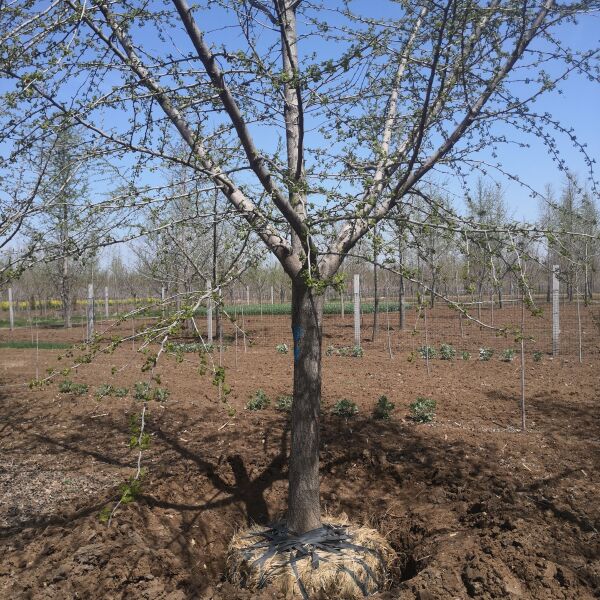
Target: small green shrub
(160,394)
(68,387)
(258,402)
(427,352)
(284,402)
(282,348)
(104,390)
(507,355)
(189,347)
(130,491)
(142,390)
(105,513)
(64,387)
(345,408)
(466,355)
(383,409)
(447,352)
(79,389)
(331,350)
(121,392)
(485,353)
(355,351)
(422,410)
(537,356)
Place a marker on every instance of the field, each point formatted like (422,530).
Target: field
(474,507)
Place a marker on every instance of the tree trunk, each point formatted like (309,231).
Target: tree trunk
(401,299)
(375,301)
(549,281)
(215,265)
(304,507)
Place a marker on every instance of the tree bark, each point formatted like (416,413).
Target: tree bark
(304,506)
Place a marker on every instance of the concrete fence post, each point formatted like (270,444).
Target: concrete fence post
(90,312)
(555,311)
(11,311)
(209,311)
(357,310)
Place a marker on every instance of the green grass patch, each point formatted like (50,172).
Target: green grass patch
(24,344)
(42,323)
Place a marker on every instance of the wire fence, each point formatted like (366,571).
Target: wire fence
(251,321)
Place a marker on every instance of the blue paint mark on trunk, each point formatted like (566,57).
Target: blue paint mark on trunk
(297,331)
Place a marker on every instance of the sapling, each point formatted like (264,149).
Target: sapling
(282,348)
(466,355)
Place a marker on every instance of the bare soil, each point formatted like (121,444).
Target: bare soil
(474,507)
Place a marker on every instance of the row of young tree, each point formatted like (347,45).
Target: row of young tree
(194,241)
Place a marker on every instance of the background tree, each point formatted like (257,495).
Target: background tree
(487,209)
(574,213)
(72,237)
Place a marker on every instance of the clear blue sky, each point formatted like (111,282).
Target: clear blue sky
(578,107)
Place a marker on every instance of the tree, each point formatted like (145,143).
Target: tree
(20,203)
(195,239)
(574,213)
(488,209)
(63,188)
(320,147)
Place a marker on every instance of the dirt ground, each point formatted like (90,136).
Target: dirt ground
(474,507)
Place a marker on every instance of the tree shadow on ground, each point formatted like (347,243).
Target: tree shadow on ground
(245,490)
(558,415)
(371,466)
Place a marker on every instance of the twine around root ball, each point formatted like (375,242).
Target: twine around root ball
(336,561)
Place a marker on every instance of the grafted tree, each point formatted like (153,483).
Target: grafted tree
(330,120)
